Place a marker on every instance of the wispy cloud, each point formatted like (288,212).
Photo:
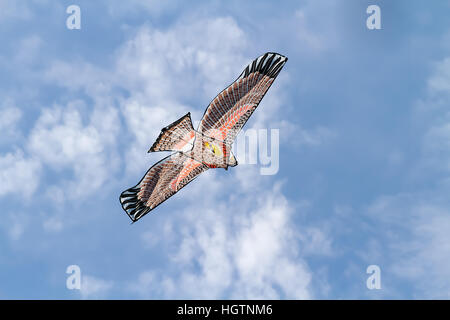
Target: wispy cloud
(233,247)
(95,288)
(411,227)
(60,140)
(19,174)
(9,118)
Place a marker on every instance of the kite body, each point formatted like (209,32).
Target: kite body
(196,151)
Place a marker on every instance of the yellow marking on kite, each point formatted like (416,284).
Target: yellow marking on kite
(213,148)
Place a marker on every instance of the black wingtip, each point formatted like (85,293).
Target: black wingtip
(132,205)
(270,63)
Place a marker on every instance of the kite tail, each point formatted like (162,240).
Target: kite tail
(178,136)
(134,207)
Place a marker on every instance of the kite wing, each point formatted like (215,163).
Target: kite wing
(161,181)
(230,110)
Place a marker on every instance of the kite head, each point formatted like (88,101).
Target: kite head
(214,148)
(217,154)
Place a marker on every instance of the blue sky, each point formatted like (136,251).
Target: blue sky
(364,150)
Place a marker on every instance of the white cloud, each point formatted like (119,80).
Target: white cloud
(80,75)
(9,118)
(61,140)
(415,241)
(241,246)
(94,288)
(182,63)
(439,82)
(411,229)
(19,174)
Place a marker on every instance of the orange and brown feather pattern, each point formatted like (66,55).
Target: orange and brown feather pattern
(172,137)
(230,110)
(161,181)
(222,121)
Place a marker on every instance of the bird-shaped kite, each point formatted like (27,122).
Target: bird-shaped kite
(207,147)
